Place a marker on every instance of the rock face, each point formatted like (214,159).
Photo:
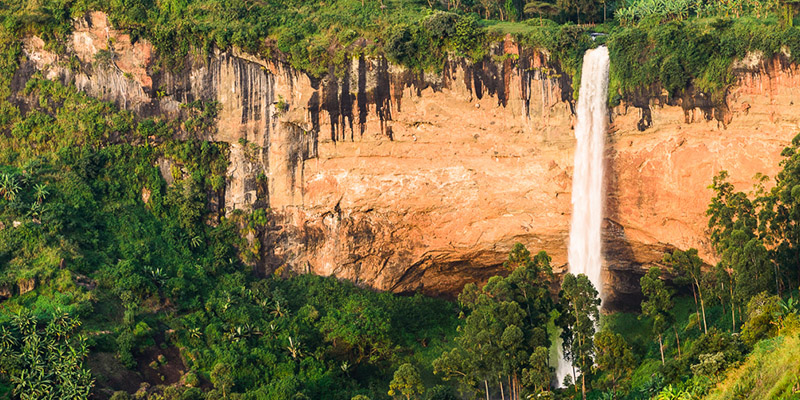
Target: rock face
(405,181)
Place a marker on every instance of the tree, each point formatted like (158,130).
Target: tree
(762,312)
(541,7)
(723,285)
(689,267)
(614,357)
(361,327)
(537,376)
(506,321)
(406,382)
(788,8)
(441,392)
(580,311)
(657,303)
(580,6)
(457,364)
(748,259)
(737,227)
(529,285)
(222,377)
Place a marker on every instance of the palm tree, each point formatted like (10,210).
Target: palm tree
(278,311)
(541,7)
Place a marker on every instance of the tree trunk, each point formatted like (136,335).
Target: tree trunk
(583,384)
(703,308)
(486,386)
(740,313)
(661,348)
(677,339)
(696,307)
(502,393)
(733,308)
(574,379)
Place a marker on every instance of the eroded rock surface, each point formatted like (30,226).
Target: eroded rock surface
(405,181)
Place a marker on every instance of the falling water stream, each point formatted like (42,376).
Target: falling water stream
(585,253)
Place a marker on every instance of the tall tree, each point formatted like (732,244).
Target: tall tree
(579,314)
(688,267)
(506,321)
(657,304)
(537,377)
(585,7)
(613,356)
(540,8)
(748,259)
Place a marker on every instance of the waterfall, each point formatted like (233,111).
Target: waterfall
(585,252)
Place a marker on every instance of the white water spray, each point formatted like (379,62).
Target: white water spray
(585,252)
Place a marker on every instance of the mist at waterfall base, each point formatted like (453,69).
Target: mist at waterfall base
(585,252)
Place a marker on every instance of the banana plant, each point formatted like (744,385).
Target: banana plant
(673,393)
(42,359)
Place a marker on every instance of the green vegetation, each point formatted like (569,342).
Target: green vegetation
(507,321)
(92,232)
(657,304)
(682,46)
(580,310)
(107,267)
(42,357)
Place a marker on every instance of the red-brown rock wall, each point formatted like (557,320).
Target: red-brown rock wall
(405,181)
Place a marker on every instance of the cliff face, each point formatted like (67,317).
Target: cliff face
(406,181)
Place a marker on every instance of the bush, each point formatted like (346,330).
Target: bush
(441,392)
(191,379)
(441,24)
(120,395)
(762,311)
(192,394)
(469,37)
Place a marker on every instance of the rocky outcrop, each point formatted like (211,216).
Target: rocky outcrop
(406,181)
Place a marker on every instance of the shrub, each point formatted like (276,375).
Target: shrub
(120,395)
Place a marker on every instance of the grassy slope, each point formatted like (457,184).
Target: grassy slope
(769,372)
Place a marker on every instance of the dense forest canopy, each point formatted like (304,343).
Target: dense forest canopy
(119,284)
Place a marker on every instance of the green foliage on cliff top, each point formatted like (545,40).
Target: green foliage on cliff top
(678,50)
(698,52)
